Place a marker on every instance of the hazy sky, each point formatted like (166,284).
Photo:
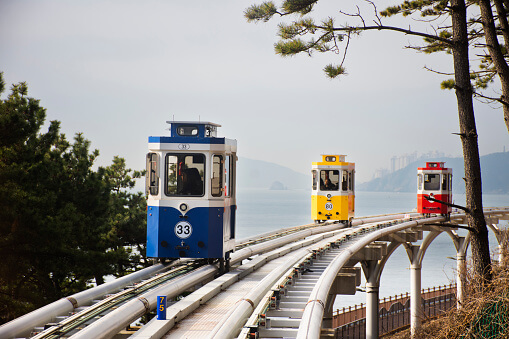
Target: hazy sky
(118,70)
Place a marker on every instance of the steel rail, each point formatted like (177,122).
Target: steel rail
(124,315)
(236,317)
(232,323)
(118,319)
(264,304)
(249,251)
(311,321)
(288,230)
(104,305)
(180,310)
(230,327)
(23,326)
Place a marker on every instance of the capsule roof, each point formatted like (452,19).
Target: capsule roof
(434,165)
(332,159)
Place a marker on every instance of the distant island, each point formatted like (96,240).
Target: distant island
(277,186)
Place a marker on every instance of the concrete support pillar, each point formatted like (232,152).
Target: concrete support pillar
(501,239)
(415,299)
(415,288)
(502,243)
(327,314)
(372,306)
(461,269)
(461,273)
(500,253)
(371,272)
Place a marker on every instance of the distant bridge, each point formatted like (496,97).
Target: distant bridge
(282,284)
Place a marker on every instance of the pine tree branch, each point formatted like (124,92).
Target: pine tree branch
(437,72)
(430,198)
(451,226)
(499,100)
(390,28)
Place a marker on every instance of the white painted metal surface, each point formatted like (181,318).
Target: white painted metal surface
(21,327)
(221,308)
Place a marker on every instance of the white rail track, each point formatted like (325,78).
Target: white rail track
(290,298)
(49,315)
(278,286)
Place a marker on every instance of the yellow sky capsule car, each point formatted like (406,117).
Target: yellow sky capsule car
(333,195)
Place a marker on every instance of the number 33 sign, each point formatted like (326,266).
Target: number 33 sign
(183,229)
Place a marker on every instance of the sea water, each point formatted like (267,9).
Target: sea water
(263,210)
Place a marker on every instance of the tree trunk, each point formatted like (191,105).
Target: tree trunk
(99,279)
(468,134)
(497,56)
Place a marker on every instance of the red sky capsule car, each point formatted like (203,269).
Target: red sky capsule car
(434,181)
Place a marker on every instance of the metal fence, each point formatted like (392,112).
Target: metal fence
(394,312)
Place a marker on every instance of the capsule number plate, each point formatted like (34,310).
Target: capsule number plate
(329,206)
(183,229)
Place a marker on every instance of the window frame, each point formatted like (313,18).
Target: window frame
(314,174)
(438,183)
(445,184)
(192,128)
(344,181)
(220,177)
(166,174)
(337,185)
(152,175)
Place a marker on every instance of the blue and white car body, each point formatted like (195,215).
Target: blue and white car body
(190,184)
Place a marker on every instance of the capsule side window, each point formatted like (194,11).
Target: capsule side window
(350,180)
(217,177)
(152,176)
(344,181)
(185,174)
(419,182)
(315,179)
(187,131)
(444,182)
(450,182)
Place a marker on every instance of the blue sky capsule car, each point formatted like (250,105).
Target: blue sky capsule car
(190,184)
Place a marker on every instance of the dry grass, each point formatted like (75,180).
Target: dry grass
(484,314)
